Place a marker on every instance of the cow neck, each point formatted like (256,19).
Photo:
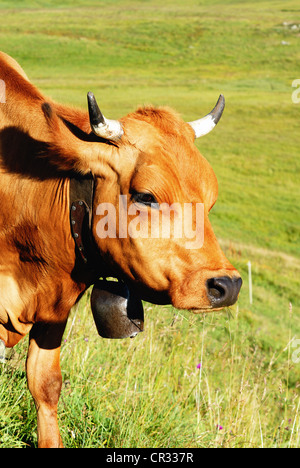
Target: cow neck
(81,195)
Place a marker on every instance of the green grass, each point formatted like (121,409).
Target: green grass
(148,392)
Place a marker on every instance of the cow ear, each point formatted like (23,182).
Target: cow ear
(68,151)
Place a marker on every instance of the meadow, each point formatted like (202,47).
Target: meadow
(229,379)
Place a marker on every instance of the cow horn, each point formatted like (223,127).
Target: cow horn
(102,127)
(205,125)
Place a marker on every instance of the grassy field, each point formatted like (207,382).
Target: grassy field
(149,392)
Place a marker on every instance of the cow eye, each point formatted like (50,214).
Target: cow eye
(145,198)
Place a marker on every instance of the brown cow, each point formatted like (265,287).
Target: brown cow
(148,158)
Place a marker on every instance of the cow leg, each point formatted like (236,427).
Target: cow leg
(44,380)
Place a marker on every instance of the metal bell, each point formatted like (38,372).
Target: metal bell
(117,311)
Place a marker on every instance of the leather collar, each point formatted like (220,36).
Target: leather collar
(81,206)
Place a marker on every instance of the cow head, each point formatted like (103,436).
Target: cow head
(153,194)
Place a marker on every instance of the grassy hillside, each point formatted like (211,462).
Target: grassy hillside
(148,392)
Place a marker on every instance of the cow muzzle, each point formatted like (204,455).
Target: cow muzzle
(118,312)
(223,291)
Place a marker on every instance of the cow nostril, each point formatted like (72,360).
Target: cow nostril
(223,291)
(215,290)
